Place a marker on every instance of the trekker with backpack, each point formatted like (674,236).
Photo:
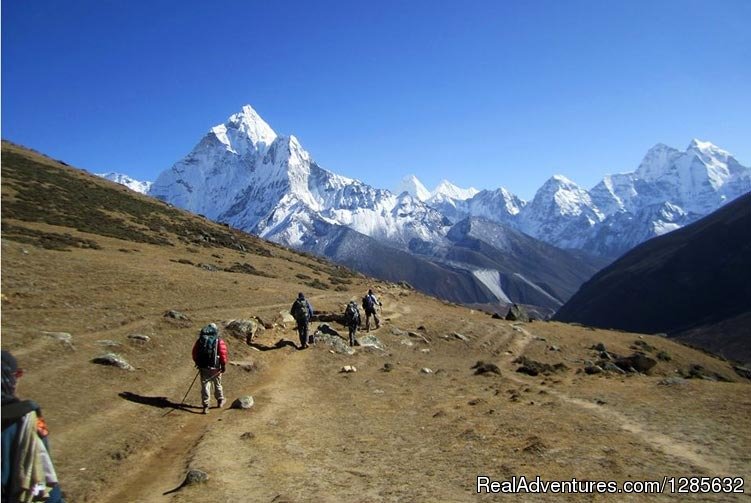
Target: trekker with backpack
(302,312)
(27,470)
(369,303)
(210,356)
(352,320)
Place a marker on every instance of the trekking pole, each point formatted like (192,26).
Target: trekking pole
(186,393)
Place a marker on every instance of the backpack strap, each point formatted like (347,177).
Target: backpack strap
(13,411)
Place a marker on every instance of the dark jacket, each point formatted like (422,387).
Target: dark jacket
(13,410)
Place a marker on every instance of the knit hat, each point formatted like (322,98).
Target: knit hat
(9,368)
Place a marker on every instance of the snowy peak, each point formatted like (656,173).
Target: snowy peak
(451,191)
(564,195)
(706,148)
(244,132)
(655,162)
(413,186)
(131,183)
(252,125)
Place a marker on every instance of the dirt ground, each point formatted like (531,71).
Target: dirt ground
(388,432)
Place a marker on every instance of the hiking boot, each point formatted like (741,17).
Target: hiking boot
(205,409)
(222,401)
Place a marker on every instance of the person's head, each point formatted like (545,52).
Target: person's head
(300,295)
(370,292)
(10,374)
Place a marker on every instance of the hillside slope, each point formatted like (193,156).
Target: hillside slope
(693,283)
(82,256)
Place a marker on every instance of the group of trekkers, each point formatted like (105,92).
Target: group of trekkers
(302,311)
(210,350)
(28,473)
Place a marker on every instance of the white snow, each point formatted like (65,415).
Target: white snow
(533,285)
(244,174)
(131,183)
(491,278)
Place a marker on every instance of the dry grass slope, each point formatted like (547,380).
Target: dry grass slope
(84,256)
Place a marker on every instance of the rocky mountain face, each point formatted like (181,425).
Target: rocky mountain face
(693,284)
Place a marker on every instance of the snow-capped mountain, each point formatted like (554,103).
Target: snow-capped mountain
(413,186)
(561,213)
(131,183)
(447,190)
(244,174)
(669,189)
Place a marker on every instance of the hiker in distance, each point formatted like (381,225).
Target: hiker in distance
(302,312)
(210,356)
(369,303)
(352,320)
(27,469)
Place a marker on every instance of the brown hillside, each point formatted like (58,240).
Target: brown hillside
(84,256)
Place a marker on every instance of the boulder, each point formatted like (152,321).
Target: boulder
(637,362)
(742,371)
(196,477)
(533,368)
(176,315)
(611,367)
(517,313)
(244,402)
(285,319)
(337,344)
(326,329)
(593,369)
(370,341)
(114,360)
(244,330)
(484,368)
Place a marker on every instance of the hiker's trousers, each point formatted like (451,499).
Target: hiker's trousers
(352,332)
(367,319)
(302,331)
(211,377)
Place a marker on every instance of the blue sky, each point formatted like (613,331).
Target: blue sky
(483,93)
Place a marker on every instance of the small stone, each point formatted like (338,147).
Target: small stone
(672,381)
(348,369)
(426,370)
(196,477)
(139,337)
(244,402)
(593,369)
(114,360)
(425,350)
(63,337)
(460,337)
(176,315)
(248,435)
(108,343)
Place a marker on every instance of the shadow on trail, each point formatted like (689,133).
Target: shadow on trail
(281,343)
(159,401)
